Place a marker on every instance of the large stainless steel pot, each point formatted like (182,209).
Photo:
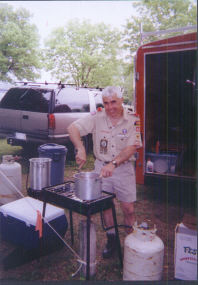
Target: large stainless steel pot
(40,173)
(88,185)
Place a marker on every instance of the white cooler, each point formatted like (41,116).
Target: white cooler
(18,223)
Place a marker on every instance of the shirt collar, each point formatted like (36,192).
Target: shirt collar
(124,117)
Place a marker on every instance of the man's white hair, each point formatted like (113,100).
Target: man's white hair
(112,90)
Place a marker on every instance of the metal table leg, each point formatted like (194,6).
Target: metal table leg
(117,234)
(71,227)
(44,208)
(88,246)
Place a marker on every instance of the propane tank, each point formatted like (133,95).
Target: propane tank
(10,179)
(143,254)
(83,247)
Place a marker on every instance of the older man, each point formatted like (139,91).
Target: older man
(116,137)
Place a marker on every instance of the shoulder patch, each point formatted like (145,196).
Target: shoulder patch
(130,111)
(99,109)
(137,123)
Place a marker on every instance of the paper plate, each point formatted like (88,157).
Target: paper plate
(161,166)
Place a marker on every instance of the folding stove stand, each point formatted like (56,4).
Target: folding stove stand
(86,208)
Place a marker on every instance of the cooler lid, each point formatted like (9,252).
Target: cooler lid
(25,209)
(51,148)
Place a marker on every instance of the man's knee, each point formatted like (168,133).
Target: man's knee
(127,208)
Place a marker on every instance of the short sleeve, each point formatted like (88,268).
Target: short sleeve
(85,125)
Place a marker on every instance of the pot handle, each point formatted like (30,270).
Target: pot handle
(99,178)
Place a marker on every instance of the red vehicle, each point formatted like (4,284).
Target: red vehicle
(165,73)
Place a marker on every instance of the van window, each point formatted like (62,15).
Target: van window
(72,100)
(27,99)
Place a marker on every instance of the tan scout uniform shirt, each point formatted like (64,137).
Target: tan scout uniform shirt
(108,140)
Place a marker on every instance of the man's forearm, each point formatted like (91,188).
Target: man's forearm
(74,136)
(125,154)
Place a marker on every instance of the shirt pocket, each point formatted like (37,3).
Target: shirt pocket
(121,141)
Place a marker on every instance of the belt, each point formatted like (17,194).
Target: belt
(106,162)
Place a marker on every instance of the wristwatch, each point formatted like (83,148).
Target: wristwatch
(114,163)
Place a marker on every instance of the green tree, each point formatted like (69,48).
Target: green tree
(84,54)
(157,15)
(19,43)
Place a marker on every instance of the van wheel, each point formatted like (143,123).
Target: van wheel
(70,151)
(85,141)
(30,150)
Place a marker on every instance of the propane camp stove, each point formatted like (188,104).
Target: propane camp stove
(63,196)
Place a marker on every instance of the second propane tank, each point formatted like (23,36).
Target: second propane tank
(10,179)
(143,254)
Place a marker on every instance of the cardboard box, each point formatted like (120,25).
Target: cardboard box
(18,221)
(185,253)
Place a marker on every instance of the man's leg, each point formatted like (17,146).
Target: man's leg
(129,215)
(111,238)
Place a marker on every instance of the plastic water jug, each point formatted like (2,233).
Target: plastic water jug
(10,177)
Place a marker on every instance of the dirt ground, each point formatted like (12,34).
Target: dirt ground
(162,208)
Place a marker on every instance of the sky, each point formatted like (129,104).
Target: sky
(48,15)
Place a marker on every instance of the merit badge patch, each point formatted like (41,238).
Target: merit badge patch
(137,123)
(124,131)
(103,146)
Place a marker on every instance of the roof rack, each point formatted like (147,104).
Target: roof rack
(45,83)
(60,84)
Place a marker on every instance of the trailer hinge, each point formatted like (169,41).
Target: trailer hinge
(137,76)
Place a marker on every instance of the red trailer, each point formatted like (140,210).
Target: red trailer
(165,80)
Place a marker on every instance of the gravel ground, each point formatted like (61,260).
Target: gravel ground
(165,211)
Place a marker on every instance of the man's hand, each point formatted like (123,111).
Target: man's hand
(107,170)
(81,156)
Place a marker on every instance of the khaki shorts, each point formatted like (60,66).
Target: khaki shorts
(122,183)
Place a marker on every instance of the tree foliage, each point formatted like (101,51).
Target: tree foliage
(157,15)
(19,43)
(84,54)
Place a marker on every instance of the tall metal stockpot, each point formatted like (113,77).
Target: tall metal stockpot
(88,185)
(40,173)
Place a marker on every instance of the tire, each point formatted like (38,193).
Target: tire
(30,150)
(70,151)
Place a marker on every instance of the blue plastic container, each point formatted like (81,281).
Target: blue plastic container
(58,155)
(163,163)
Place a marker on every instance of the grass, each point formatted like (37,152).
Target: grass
(8,149)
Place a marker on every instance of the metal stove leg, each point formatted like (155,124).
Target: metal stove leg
(88,246)
(44,208)
(71,227)
(117,234)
